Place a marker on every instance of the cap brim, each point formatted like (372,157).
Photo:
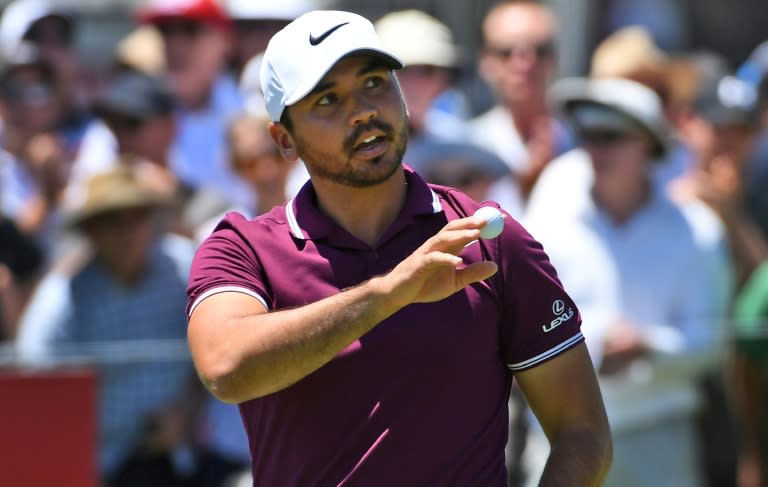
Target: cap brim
(567,93)
(311,81)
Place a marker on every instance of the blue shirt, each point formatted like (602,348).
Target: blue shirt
(91,318)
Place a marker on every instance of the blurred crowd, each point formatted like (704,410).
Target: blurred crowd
(644,180)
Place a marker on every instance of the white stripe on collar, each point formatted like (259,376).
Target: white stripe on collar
(297,232)
(291,215)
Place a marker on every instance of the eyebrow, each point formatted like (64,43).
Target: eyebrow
(373,65)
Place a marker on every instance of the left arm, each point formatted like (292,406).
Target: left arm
(564,395)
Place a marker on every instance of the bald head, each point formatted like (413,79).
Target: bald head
(518,58)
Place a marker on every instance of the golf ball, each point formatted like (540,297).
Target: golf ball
(494,219)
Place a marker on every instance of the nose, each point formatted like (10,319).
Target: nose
(362,110)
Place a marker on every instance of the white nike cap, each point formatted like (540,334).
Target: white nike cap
(300,54)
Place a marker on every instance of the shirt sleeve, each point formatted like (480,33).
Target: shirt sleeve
(540,319)
(226,262)
(46,320)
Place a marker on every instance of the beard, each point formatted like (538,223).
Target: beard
(370,173)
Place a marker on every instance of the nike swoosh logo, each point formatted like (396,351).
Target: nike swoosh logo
(317,40)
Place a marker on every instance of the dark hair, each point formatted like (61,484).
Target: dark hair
(285,120)
(17,251)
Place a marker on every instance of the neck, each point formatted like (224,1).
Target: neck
(270,196)
(527,115)
(366,212)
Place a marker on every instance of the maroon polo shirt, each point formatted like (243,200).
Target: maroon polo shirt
(421,399)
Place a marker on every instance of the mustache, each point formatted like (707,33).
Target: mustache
(349,142)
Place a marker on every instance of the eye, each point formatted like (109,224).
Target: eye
(326,99)
(374,81)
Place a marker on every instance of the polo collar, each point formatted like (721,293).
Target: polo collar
(308,222)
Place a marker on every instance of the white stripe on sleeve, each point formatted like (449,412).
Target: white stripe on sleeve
(548,354)
(225,289)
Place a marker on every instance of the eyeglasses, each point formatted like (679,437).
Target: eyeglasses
(541,50)
(182,28)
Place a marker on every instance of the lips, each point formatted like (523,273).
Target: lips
(370,145)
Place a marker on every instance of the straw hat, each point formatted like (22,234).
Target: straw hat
(115,189)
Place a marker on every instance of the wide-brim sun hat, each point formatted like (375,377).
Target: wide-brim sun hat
(115,189)
(629,99)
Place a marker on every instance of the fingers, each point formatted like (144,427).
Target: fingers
(455,235)
(475,272)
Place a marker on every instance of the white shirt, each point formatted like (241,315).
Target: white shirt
(670,284)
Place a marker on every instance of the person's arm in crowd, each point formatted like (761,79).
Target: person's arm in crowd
(242,352)
(564,395)
(748,392)
(46,160)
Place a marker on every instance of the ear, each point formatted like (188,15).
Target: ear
(283,140)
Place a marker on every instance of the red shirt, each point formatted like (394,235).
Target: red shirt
(421,399)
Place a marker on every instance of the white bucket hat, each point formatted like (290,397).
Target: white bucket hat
(631,101)
(300,54)
(418,39)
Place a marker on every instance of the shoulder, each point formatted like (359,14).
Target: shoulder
(515,239)
(237,237)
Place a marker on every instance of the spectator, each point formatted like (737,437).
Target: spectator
(197,37)
(128,292)
(720,132)
(670,315)
(431,64)
(21,263)
(52,30)
(754,70)
(37,165)
(750,378)
(518,61)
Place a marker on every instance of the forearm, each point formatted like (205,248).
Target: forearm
(242,352)
(578,458)
(257,354)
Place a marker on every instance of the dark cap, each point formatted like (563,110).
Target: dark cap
(728,101)
(136,96)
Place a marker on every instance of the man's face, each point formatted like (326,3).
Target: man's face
(30,100)
(122,238)
(352,128)
(151,138)
(195,54)
(421,84)
(255,158)
(621,159)
(518,59)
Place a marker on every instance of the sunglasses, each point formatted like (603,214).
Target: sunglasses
(541,50)
(604,137)
(181,28)
(31,94)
